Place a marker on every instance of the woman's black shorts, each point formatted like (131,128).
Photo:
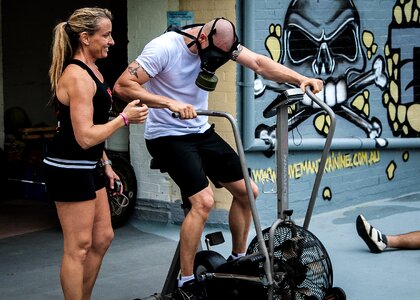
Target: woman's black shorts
(190,159)
(72,185)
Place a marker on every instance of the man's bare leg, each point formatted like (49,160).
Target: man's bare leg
(240,214)
(192,228)
(409,240)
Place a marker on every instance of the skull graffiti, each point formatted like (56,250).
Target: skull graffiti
(322,38)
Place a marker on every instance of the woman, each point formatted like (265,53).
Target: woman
(76,161)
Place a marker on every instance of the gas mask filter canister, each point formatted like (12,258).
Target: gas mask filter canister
(206,81)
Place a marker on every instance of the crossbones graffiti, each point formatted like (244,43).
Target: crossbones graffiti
(323,38)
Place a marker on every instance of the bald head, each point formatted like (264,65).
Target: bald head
(224,35)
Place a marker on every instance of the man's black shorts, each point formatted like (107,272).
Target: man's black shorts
(191,158)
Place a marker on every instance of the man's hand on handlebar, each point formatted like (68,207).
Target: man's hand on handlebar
(182,110)
(315,84)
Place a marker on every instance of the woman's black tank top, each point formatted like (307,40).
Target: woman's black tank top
(64,144)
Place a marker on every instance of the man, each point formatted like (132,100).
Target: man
(378,242)
(177,71)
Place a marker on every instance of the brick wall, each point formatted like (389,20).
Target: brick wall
(159,197)
(224,97)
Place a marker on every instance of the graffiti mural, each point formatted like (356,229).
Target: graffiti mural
(402,96)
(336,161)
(323,39)
(368,58)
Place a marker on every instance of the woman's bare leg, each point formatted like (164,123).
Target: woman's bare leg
(76,220)
(102,236)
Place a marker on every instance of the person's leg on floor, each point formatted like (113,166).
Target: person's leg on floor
(410,240)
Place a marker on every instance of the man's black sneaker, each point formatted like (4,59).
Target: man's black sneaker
(231,258)
(191,290)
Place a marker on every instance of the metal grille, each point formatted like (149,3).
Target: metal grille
(302,267)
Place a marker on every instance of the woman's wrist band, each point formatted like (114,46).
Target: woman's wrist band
(124,116)
(107,162)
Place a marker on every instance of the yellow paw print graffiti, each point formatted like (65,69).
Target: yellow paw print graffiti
(361,103)
(405,156)
(392,166)
(403,114)
(390,170)
(291,109)
(272,42)
(322,123)
(327,194)
(368,42)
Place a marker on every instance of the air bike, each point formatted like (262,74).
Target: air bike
(283,262)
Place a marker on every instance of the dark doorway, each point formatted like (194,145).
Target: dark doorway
(27,30)
(26,36)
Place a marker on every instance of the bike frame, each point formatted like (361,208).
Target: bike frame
(279,108)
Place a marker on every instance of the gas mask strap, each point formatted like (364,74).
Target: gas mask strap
(235,36)
(213,31)
(181,31)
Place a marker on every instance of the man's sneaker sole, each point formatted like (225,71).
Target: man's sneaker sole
(364,233)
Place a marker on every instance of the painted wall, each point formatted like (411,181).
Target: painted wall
(159,197)
(225,96)
(366,52)
(146,20)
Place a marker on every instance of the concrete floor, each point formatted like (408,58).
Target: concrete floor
(138,260)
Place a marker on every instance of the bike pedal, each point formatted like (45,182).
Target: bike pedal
(214,238)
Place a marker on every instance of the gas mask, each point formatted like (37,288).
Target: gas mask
(211,57)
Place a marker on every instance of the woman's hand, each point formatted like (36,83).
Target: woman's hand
(136,112)
(112,177)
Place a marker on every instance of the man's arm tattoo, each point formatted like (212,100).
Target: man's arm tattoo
(134,70)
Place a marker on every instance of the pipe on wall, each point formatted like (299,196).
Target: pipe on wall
(246,23)
(342,144)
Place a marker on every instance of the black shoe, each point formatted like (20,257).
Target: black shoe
(231,258)
(191,290)
(374,239)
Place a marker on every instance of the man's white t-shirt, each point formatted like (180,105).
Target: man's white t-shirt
(173,68)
